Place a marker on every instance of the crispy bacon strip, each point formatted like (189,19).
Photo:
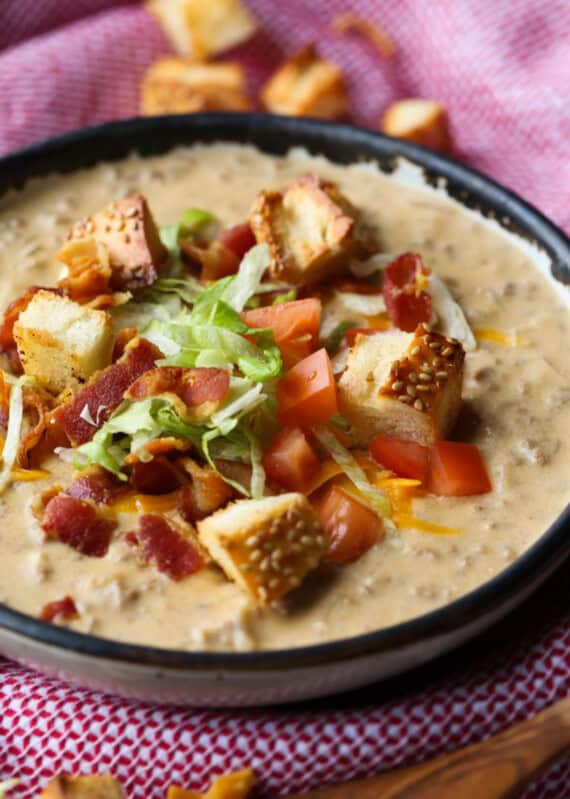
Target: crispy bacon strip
(96,485)
(77,523)
(193,386)
(104,392)
(158,476)
(158,542)
(60,611)
(205,493)
(352,23)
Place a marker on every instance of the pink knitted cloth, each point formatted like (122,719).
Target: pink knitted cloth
(502,70)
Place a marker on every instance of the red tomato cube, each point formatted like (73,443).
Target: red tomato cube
(404,458)
(352,527)
(306,394)
(457,470)
(290,460)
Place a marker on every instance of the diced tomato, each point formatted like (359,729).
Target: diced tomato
(289,459)
(404,458)
(351,526)
(406,301)
(457,470)
(306,394)
(295,326)
(350,335)
(239,239)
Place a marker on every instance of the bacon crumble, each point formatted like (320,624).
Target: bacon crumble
(159,542)
(60,611)
(77,523)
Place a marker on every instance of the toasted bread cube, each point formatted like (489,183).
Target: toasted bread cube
(62,343)
(131,237)
(306,85)
(311,229)
(177,86)
(267,546)
(95,786)
(402,385)
(420,121)
(203,28)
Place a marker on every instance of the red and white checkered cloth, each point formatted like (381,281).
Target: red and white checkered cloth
(502,70)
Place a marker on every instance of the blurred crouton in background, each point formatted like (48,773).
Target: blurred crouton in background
(179,86)
(203,28)
(306,85)
(420,121)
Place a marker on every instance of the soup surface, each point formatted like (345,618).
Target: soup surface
(516,409)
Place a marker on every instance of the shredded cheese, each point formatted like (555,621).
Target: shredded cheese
(499,337)
(143,503)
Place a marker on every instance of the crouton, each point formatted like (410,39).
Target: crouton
(311,229)
(95,786)
(203,28)
(402,385)
(62,343)
(420,121)
(130,235)
(306,85)
(267,546)
(177,86)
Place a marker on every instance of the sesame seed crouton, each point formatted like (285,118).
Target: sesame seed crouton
(131,237)
(95,786)
(62,343)
(178,86)
(267,546)
(203,28)
(311,229)
(402,385)
(306,85)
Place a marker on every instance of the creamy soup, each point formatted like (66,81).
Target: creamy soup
(516,409)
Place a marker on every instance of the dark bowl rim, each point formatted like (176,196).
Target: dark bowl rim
(464,184)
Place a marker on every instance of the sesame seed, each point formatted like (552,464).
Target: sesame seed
(412,377)
(265,565)
(252,540)
(397,385)
(403,398)
(418,405)
(255,556)
(447,351)
(294,582)
(306,540)
(437,361)
(278,553)
(416,351)
(300,526)
(274,582)
(262,592)
(425,377)
(434,345)
(411,391)
(425,387)
(441,375)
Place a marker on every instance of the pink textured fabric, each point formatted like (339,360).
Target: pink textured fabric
(501,68)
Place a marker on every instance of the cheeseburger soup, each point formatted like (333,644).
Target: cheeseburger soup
(265,402)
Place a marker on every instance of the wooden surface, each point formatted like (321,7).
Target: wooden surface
(498,768)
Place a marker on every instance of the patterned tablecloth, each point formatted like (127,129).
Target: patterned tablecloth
(502,71)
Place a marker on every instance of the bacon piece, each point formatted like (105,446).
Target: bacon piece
(104,392)
(206,492)
(214,261)
(88,270)
(11,314)
(37,409)
(160,543)
(158,476)
(96,485)
(123,337)
(193,386)
(59,611)
(77,523)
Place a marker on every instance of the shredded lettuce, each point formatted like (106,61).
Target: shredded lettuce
(375,497)
(246,282)
(15,419)
(334,338)
(451,320)
(288,296)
